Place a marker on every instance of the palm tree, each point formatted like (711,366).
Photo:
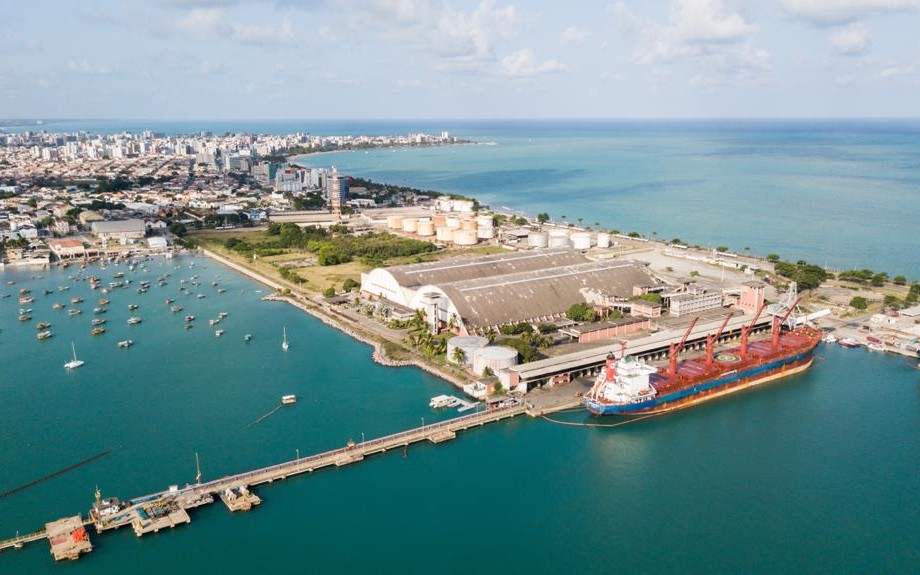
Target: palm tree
(459,355)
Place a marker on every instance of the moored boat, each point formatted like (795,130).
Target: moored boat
(98,321)
(849,342)
(98,330)
(44,334)
(126,343)
(134,320)
(74,311)
(288,399)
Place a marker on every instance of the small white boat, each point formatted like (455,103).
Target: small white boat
(219,333)
(284,342)
(247,337)
(74,363)
(288,399)
(126,343)
(873,346)
(134,320)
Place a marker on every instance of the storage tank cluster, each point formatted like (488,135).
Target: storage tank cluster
(468,343)
(494,357)
(461,231)
(538,239)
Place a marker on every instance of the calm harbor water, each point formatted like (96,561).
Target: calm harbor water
(815,474)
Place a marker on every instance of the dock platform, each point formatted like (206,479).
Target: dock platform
(68,538)
(240,499)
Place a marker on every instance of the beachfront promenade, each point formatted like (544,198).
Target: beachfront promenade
(177,500)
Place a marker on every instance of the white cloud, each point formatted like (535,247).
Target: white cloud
(210,23)
(263,33)
(575,35)
(831,12)
(457,40)
(695,27)
(851,40)
(86,68)
(200,22)
(521,64)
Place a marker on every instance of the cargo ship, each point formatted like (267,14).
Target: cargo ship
(628,386)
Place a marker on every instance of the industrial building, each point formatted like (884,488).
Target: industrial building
(477,293)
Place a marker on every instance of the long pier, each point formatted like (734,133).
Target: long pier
(175,501)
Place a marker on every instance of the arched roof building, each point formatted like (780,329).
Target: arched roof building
(490,291)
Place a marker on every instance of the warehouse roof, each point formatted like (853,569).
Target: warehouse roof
(458,269)
(533,294)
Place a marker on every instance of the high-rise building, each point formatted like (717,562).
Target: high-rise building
(336,190)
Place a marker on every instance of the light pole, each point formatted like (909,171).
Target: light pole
(423,422)
(297,452)
(362,438)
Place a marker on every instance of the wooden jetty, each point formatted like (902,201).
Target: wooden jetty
(169,508)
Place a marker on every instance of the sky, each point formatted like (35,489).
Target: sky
(334,59)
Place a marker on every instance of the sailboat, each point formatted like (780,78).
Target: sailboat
(284,343)
(75,362)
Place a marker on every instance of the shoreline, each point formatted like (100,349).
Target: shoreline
(316,310)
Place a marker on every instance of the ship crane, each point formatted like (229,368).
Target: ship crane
(746,330)
(778,322)
(712,339)
(676,348)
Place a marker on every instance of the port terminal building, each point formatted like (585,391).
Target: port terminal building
(474,294)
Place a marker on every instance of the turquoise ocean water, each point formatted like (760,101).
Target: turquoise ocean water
(815,474)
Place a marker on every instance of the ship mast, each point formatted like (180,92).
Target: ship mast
(712,339)
(676,349)
(746,330)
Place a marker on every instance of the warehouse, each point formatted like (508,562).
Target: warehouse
(478,293)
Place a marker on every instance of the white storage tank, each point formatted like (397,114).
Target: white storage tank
(495,357)
(468,343)
(558,239)
(469,225)
(465,238)
(425,227)
(453,222)
(581,240)
(485,229)
(410,225)
(394,222)
(603,240)
(444,234)
(538,240)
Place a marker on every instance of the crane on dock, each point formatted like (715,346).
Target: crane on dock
(747,329)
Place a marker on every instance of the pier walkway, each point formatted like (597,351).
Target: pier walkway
(154,511)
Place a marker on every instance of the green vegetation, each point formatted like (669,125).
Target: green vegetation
(807,276)
(722,249)
(773,258)
(329,292)
(899,280)
(542,218)
(859,303)
(581,312)
(373,248)
(350,284)
(545,328)
(652,297)
(516,329)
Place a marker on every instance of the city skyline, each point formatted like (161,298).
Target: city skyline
(325,59)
